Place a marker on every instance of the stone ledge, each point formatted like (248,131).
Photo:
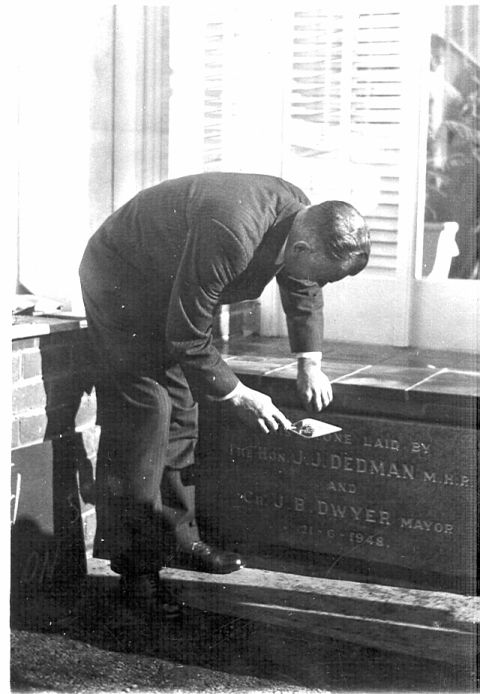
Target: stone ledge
(35,326)
(387,618)
(378,380)
(384,617)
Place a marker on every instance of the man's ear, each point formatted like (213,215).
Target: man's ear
(300,247)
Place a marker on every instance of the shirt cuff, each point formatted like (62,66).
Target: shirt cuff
(229,395)
(314,356)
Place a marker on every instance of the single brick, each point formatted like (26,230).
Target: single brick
(15,433)
(31,363)
(16,366)
(28,396)
(32,429)
(27,343)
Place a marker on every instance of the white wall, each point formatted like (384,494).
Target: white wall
(56,85)
(447,315)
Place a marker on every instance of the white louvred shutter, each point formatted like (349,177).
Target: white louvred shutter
(375,125)
(213,114)
(316,93)
(343,115)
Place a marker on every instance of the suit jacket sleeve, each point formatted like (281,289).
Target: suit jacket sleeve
(212,258)
(302,302)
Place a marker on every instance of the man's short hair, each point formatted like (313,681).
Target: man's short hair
(342,231)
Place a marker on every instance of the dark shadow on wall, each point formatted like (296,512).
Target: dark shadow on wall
(52,482)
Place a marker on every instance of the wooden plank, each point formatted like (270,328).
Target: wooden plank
(385,617)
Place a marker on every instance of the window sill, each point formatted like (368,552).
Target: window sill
(36,326)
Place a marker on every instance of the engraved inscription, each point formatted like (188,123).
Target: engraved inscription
(345,487)
(447,478)
(351,513)
(402,471)
(389,444)
(393,492)
(426,525)
(355,513)
(371,467)
(331,534)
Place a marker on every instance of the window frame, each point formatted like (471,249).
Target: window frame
(444,313)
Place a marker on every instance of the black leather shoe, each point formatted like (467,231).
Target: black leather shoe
(146,592)
(201,557)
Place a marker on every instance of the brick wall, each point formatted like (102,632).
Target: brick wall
(52,387)
(54,442)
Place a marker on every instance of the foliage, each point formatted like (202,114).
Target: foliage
(462,135)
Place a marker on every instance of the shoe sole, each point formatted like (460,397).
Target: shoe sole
(193,566)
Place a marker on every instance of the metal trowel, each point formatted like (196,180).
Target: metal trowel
(311,428)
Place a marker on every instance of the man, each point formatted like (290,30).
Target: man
(152,278)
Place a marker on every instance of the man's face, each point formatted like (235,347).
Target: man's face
(304,263)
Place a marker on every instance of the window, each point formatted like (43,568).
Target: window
(333,98)
(452,204)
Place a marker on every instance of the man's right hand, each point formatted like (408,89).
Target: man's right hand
(257,410)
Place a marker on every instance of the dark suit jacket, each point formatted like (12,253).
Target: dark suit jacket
(155,272)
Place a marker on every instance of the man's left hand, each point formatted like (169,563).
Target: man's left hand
(313,386)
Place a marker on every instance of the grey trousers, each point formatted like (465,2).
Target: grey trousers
(145,497)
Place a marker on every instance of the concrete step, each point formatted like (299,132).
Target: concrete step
(431,624)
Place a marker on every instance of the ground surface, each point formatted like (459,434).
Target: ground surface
(86,640)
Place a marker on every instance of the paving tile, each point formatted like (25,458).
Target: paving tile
(357,352)
(252,364)
(339,370)
(270,347)
(441,359)
(389,377)
(467,361)
(378,366)
(334,370)
(451,382)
